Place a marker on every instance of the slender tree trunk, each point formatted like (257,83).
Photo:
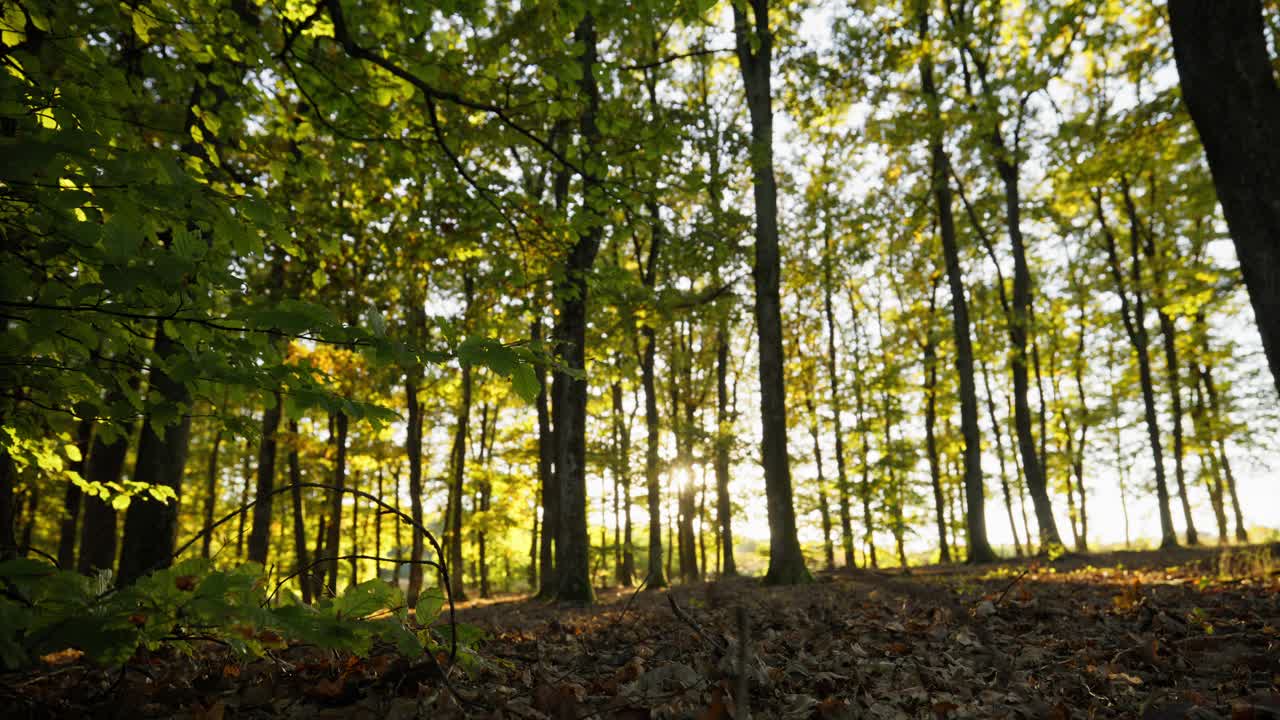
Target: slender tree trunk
(413,449)
(1206,376)
(1134,318)
(246,471)
(355,530)
(1032,468)
(842,474)
(824,507)
(1229,86)
(1169,337)
(754,42)
(333,538)
(317,576)
(622,492)
(975,521)
(458,474)
(1077,462)
(1004,472)
(931,443)
(864,455)
(1209,466)
(723,440)
(150,526)
(395,499)
(299,524)
(210,494)
(260,535)
(71,499)
(547,481)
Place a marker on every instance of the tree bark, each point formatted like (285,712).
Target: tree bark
(622,491)
(569,398)
(71,499)
(547,481)
(150,527)
(824,507)
(754,44)
(1229,86)
(1219,415)
(723,439)
(299,524)
(105,467)
(1004,472)
(333,537)
(1135,326)
(260,535)
(979,549)
(413,449)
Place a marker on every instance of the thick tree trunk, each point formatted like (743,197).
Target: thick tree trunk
(71,499)
(260,535)
(98,531)
(1229,86)
(569,399)
(754,42)
(150,527)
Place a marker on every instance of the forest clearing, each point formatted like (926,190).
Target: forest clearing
(519,359)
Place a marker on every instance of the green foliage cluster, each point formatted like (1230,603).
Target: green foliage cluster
(45,610)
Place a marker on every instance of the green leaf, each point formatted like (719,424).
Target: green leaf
(367,598)
(430,602)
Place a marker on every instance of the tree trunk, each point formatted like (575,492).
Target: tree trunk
(1209,466)
(413,449)
(975,521)
(355,530)
(458,474)
(1032,468)
(260,535)
(622,500)
(547,481)
(931,447)
(1229,86)
(299,524)
(1004,471)
(105,467)
(1077,461)
(1169,336)
(569,398)
(723,439)
(754,43)
(842,474)
(864,433)
(71,499)
(150,526)
(1135,325)
(1206,376)
(333,538)
(824,507)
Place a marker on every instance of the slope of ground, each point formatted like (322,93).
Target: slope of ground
(1187,634)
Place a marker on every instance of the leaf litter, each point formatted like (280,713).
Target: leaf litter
(1158,636)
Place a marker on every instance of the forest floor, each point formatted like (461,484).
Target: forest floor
(1162,635)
